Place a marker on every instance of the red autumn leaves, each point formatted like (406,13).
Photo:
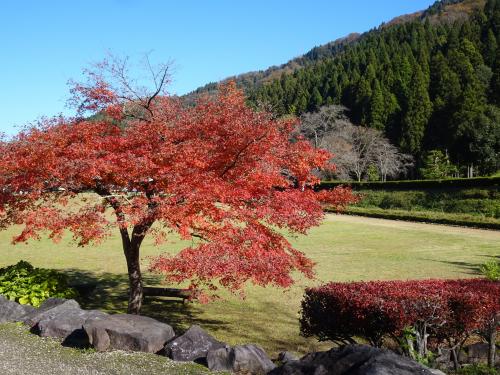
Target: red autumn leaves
(451,310)
(218,172)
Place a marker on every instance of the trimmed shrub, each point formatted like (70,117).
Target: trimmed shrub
(416,184)
(441,312)
(481,202)
(31,286)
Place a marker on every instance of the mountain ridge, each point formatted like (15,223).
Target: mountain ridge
(440,11)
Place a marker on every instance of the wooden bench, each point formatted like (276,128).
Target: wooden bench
(184,294)
(87,290)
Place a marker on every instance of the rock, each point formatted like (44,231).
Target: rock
(436,371)
(444,358)
(61,318)
(285,357)
(477,353)
(11,311)
(193,345)
(50,308)
(127,332)
(68,325)
(249,359)
(220,359)
(352,360)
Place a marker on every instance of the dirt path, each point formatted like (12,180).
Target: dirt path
(399,224)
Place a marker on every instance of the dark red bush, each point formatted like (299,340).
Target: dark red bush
(446,310)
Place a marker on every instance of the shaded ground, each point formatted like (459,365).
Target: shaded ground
(23,353)
(344,248)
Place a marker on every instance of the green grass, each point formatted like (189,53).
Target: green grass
(344,247)
(427,216)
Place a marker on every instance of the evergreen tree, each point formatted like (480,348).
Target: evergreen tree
(376,108)
(419,109)
(316,100)
(437,165)
(494,90)
(490,48)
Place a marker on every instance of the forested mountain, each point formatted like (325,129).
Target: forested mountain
(430,80)
(441,11)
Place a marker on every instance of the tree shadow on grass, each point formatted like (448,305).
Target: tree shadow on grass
(469,267)
(264,322)
(111,295)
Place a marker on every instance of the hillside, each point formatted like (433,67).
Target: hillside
(429,80)
(249,81)
(441,11)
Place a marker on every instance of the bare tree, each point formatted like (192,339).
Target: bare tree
(389,161)
(317,125)
(355,148)
(112,75)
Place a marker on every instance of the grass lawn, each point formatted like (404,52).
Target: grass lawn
(344,247)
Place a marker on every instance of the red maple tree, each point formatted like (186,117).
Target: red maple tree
(218,172)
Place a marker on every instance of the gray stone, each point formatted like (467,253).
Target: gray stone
(248,359)
(63,319)
(127,332)
(11,311)
(68,325)
(193,345)
(285,357)
(352,360)
(436,371)
(220,359)
(444,358)
(50,308)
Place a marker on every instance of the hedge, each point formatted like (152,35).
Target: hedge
(484,202)
(416,184)
(449,311)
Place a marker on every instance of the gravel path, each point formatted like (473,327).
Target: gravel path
(24,353)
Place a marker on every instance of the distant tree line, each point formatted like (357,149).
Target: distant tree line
(426,86)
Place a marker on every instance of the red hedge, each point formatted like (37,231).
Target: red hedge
(450,309)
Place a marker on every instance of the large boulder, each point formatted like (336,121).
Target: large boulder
(128,332)
(193,345)
(11,311)
(68,325)
(247,359)
(50,308)
(352,360)
(62,318)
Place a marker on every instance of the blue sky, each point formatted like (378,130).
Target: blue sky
(43,44)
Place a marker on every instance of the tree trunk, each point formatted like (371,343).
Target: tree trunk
(131,246)
(492,339)
(135,278)
(454,355)
(358,176)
